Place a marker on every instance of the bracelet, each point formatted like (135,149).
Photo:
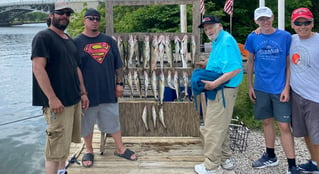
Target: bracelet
(120,83)
(84,93)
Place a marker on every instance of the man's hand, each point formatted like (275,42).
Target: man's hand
(119,90)
(56,105)
(202,63)
(85,101)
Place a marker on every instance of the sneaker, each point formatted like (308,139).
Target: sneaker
(228,164)
(201,169)
(265,161)
(293,170)
(308,167)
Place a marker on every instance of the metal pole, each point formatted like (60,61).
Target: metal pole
(183,18)
(281,14)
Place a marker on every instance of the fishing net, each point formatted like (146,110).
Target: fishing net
(238,133)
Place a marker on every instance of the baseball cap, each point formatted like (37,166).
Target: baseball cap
(301,13)
(262,12)
(209,19)
(92,12)
(59,5)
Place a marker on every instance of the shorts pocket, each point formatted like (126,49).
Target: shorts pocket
(55,146)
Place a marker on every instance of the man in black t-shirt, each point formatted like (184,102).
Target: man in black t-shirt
(58,87)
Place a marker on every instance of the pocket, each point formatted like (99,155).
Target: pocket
(55,148)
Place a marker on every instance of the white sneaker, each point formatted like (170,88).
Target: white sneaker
(201,169)
(228,164)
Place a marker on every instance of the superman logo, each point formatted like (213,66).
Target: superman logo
(98,51)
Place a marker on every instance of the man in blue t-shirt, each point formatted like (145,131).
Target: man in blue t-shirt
(269,59)
(103,78)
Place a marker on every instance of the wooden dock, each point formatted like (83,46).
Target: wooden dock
(156,155)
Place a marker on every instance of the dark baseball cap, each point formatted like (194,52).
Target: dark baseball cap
(209,19)
(92,12)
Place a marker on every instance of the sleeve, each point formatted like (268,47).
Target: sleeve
(232,58)
(249,44)
(39,46)
(116,54)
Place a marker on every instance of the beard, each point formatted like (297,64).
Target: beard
(60,24)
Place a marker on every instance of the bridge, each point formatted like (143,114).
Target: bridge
(9,9)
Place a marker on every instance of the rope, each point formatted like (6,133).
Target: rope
(15,121)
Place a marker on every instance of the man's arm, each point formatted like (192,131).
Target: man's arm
(210,85)
(38,69)
(284,97)
(119,88)
(84,96)
(250,72)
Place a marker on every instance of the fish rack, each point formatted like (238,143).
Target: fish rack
(181,118)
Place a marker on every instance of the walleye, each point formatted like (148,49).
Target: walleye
(169,79)
(154,52)
(154,85)
(146,83)
(161,87)
(137,83)
(144,117)
(161,117)
(176,84)
(184,51)
(177,49)
(154,115)
(185,79)
(168,51)
(130,82)
(146,52)
(136,51)
(161,49)
(131,46)
(120,46)
(193,45)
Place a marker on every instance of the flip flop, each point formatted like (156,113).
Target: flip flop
(126,155)
(88,157)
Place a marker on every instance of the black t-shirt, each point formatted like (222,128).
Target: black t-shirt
(62,62)
(100,58)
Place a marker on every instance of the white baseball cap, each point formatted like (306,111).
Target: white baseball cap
(263,12)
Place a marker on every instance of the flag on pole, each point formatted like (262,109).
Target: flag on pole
(202,7)
(228,8)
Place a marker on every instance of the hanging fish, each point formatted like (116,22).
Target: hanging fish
(154,115)
(120,46)
(176,84)
(136,51)
(146,52)
(168,51)
(161,117)
(193,45)
(169,79)
(184,51)
(177,49)
(185,79)
(144,117)
(137,83)
(154,85)
(146,83)
(161,87)
(154,52)
(161,50)
(130,82)
(131,47)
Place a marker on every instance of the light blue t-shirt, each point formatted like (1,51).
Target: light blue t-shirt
(271,51)
(225,57)
(304,66)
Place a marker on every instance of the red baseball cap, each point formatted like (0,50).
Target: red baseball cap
(301,13)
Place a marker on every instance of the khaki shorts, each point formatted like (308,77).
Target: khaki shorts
(62,129)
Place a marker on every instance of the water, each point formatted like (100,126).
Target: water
(22,142)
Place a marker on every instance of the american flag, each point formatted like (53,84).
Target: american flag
(228,8)
(202,7)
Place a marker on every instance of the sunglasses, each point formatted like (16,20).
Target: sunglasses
(91,18)
(305,23)
(61,13)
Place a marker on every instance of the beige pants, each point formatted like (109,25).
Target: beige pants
(215,130)
(62,129)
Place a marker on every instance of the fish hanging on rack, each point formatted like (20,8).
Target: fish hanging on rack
(137,52)
(137,83)
(154,115)
(161,117)
(169,79)
(168,51)
(161,87)
(176,84)
(161,50)
(186,80)
(146,83)
(146,52)
(154,85)
(131,49)
(144,117)
(130,83)
(193,45)
(120,46)
(177,49)
(184,51)
(154,53)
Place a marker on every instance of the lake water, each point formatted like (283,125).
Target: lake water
(22,127)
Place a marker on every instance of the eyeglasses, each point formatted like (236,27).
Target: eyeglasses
(61,13)
(305,23)
(91,18)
